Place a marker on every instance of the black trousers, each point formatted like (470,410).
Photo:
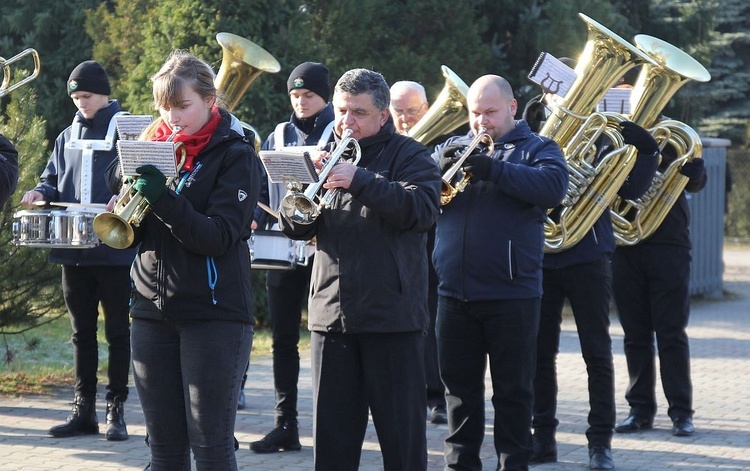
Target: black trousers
(588,289)
(435,388)
(83,289)
(384,373)
(286,291)
(468,333)
(651,288)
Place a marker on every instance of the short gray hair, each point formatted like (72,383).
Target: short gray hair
(410,85)
(357,81)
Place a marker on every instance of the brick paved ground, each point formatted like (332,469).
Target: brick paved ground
(720,343)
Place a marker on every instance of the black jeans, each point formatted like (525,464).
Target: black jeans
(382,372)
(651,293)
(83,289)
(286,291)
(469,332)
(588,289)
(188,377)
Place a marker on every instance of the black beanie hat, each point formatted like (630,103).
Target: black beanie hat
(89,76)
(312,76)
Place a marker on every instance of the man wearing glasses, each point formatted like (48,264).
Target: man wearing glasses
(408,105)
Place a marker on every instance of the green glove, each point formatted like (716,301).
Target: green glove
(151,183)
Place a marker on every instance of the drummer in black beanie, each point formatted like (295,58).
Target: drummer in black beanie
(94,275)
(311,124)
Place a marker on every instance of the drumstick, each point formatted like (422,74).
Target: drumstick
(267,209)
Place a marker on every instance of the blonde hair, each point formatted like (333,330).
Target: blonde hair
(182,69)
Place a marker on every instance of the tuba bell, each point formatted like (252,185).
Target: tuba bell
(635,220)
(5,86)
(575,126)
(242,62)
(448,111)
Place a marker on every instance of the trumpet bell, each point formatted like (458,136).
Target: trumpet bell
(113,230)
(298,208)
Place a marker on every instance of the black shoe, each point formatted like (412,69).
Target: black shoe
(683,427)
(241,400)
(116,429)
(634,424)
(600,457)
(545,451)
(438,415)
(81,421)
(285,437)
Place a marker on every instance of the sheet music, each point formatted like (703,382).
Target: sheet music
(133,154)
(291,164)
(616,100)
(130,126)
(552,75)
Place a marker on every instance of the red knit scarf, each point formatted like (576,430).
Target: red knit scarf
(194,143)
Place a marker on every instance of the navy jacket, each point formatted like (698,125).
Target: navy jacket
(600,239)
(61,181)
(490,238)
(272,193)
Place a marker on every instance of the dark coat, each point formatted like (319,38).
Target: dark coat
(370,269)
(61,181)
(489,238)
(198,236)
(8,169)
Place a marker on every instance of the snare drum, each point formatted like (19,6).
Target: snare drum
(73,229)
(272,250)
(31,228)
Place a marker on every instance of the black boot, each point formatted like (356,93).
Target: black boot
(545,448)
(285,437)
(116,429)
(81,421)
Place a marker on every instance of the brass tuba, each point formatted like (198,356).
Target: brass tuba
(448,112)
(242,62)
(5,86)
(575,127)
(635,220)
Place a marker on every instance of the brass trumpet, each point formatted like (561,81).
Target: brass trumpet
(6,87)
(455,180)
(116,229)
(302,208)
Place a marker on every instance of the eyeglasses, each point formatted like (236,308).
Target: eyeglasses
(409,112)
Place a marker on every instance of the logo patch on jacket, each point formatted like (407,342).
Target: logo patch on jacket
(241,195)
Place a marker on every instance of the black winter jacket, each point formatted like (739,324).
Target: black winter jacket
(193,261)
(370,269)
(8,169)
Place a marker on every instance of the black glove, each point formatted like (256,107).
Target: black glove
(151,183)
(639,138)
(535,113)
(693,169)
(449,155)
(479,166)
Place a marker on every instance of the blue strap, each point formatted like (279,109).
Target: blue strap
(213,276)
